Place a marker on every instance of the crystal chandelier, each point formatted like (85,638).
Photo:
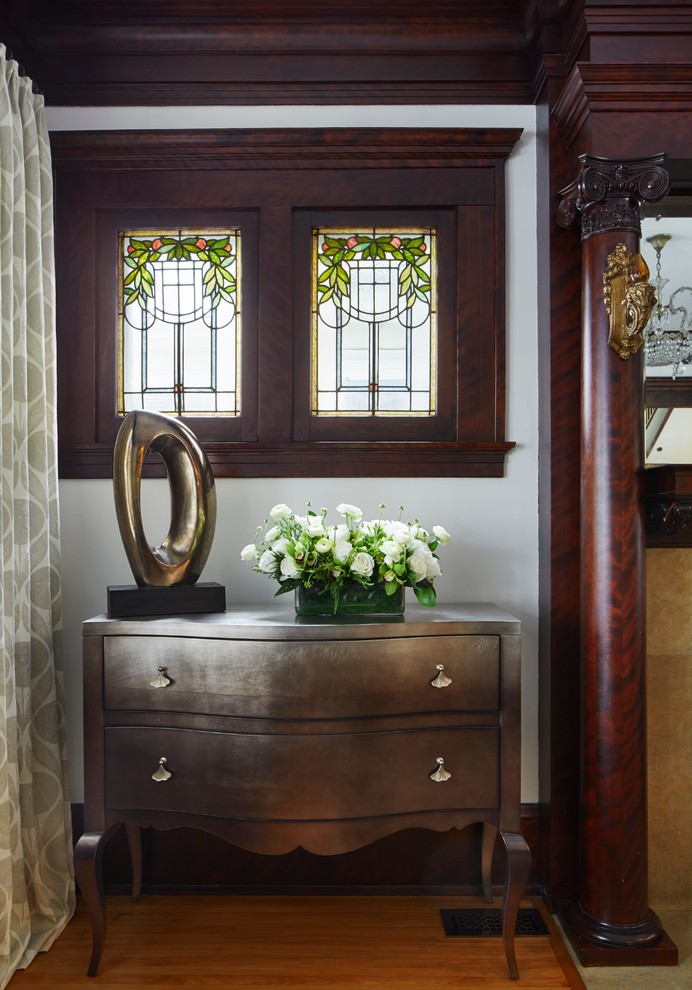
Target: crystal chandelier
(664,343)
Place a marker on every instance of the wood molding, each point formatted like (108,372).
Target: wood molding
(616,89)
(280,148)
(82,53)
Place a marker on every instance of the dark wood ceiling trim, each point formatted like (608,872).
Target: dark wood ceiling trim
(615,89)
(81,53)
(287,148)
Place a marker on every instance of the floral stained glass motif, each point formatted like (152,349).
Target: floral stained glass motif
(373,322)
(179,322)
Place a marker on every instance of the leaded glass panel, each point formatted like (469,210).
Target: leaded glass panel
(373,322)
(179,322)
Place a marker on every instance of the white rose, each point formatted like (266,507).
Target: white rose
(441,534)
(280,511)
(363,564)
(267,562)
(249,552)
(418,568)
(342,550)
(289,568)
(350,511)
(324,545)
(272,534)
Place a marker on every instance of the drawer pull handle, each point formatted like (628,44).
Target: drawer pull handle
(161,680)
(441,681)
(440,775)
(161,774)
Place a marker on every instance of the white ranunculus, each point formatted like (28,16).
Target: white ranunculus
(272,534)
(432,568)
(249,552)
(324,545)
(280,545)
(363,564)
(267,562)
(350,511)
(315,527)
(392,550)
(342,550)
(280,511)
(400,532)
(289,568)
(441,534)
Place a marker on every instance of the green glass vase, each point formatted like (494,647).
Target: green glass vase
(354,599)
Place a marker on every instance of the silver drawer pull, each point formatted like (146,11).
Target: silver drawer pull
(441,681)
(161,680)
(161,774)
(440,775)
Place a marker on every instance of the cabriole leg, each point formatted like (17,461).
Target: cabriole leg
(516,877)
(88,855)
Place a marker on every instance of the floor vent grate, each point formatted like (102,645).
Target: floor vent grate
(487,922)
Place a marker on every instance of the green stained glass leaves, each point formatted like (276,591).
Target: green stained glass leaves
(413,277)
(217,254)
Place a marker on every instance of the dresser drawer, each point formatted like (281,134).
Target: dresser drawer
(302,680)
(301,778)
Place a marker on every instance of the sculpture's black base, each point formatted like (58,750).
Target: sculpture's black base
(127,601)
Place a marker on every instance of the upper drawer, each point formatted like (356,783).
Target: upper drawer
(302,680)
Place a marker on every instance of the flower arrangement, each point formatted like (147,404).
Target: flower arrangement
(307,550)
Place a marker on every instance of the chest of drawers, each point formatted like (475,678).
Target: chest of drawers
(273,731)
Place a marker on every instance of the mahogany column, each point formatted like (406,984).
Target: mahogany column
(611,924)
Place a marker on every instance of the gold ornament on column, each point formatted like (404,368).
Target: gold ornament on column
(629,299)
(181,557)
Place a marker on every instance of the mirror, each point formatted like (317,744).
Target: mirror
(666,246)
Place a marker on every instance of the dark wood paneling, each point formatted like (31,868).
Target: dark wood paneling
(81,53)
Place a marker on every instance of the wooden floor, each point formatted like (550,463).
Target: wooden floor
(304,943)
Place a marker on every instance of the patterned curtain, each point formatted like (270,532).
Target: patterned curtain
(36,880)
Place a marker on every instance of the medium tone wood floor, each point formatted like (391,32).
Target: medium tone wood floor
(303,943)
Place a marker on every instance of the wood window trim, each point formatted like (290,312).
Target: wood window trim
(272,174)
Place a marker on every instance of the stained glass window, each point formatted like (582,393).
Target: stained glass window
(373,322)
(179,322)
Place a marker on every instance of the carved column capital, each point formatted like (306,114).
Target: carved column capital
(608,194)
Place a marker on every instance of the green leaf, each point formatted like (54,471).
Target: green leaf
(129,262)
(391,587)
(327,295)
(425,593)
(148,289)
(131,277)
(290,584)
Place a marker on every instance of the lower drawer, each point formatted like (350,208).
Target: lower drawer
(301,778)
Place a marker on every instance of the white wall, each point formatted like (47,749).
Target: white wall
(494,522)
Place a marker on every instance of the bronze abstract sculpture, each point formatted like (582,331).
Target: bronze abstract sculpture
(181,557)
